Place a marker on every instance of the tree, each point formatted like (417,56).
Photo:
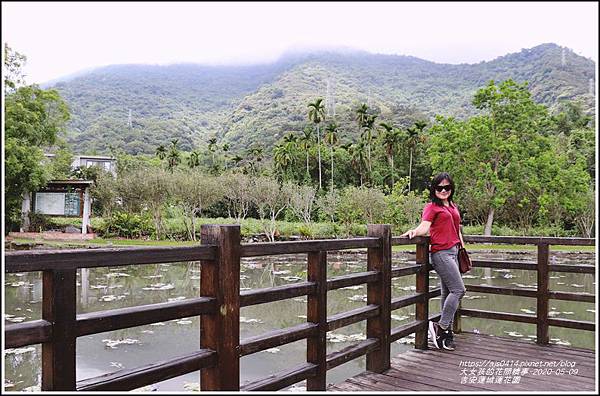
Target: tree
(391,138)
(306,141)
(212,147)
(316,114)
(488,154)
(271,199)
(161,152)
(33,119)
(173,156)
(414,137)
(302,199)
(225,148)
(331,138)
(358,154)
(193,159)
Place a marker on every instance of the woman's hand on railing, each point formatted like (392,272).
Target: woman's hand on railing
(410,233)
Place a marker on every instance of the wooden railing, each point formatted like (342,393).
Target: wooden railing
(220,301)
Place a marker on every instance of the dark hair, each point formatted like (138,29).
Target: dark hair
(435,182)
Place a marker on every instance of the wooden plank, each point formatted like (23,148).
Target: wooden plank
(495,349)
(316,345)
(276,338)
(351,352)
(370,383)
(404,301)
(408,328)
(422,286)
(352,279)
(277,293)
(64,259)
(291,247)
(125,380)
(121,318)
(405,370)
(406,384)
(282,379)
(440,361)
(380,259)
(59,293)
(543,281)
(27,333)
(405,271)
(406,241)
(530,240)
(220,331)
(350,317)
(572,324)
(583,297)
(576,269)
(509,291)
(523,265)
(478,313)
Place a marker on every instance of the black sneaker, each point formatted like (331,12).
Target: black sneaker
(448,343)
(437,335)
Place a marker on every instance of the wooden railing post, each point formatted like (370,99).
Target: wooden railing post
(422,307)
(59,307)
(542,293)
(221,331)
(317,313)
(380,293)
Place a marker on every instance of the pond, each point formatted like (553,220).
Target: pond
(109,288)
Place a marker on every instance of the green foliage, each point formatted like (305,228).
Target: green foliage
(404,208)
(33,119)
(129,225)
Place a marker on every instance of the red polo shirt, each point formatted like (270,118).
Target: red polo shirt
(443,234)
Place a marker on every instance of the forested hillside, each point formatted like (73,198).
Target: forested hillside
(242,105)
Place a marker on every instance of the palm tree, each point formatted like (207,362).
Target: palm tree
(283,156)
(358,155)
(173,157)
(368,136)
(362,114)
(316,114)
(161,152)
(225,149)
(194,159)
(255,154)
(305,142)
(414,136)
(331,138)
(212,142)
(236,160)
(391,139)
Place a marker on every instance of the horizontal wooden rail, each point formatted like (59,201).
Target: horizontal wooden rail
(519,240)
(350,317)
(277,293)
(352,352)
(572,324)
(405,241)
(579,269)
(476,313)
(359,278)
(27,333)
(584,297)
(121,318)
(282,379)
(404,301)
(276,338)
(511,291)
(40,260)
(523,265)
(291,247)
(149,374)
(411,327)
(405,271)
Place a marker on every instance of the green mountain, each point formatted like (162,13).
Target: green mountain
(257,104)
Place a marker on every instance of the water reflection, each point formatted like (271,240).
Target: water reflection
(109,288)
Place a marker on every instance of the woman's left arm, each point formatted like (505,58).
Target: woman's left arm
(461,237)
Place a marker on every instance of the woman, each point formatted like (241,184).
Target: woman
(441,219)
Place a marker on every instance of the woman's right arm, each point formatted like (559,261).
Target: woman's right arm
(422,229)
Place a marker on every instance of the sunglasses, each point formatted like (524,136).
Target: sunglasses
(441,188)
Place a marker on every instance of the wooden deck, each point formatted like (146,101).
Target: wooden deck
(436,370)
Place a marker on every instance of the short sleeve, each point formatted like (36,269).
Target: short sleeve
(428,212)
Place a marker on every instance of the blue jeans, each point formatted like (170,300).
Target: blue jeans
(445,264)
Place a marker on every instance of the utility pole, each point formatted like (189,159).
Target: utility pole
(330,98)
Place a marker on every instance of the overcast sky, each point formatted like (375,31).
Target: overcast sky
(62,38)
